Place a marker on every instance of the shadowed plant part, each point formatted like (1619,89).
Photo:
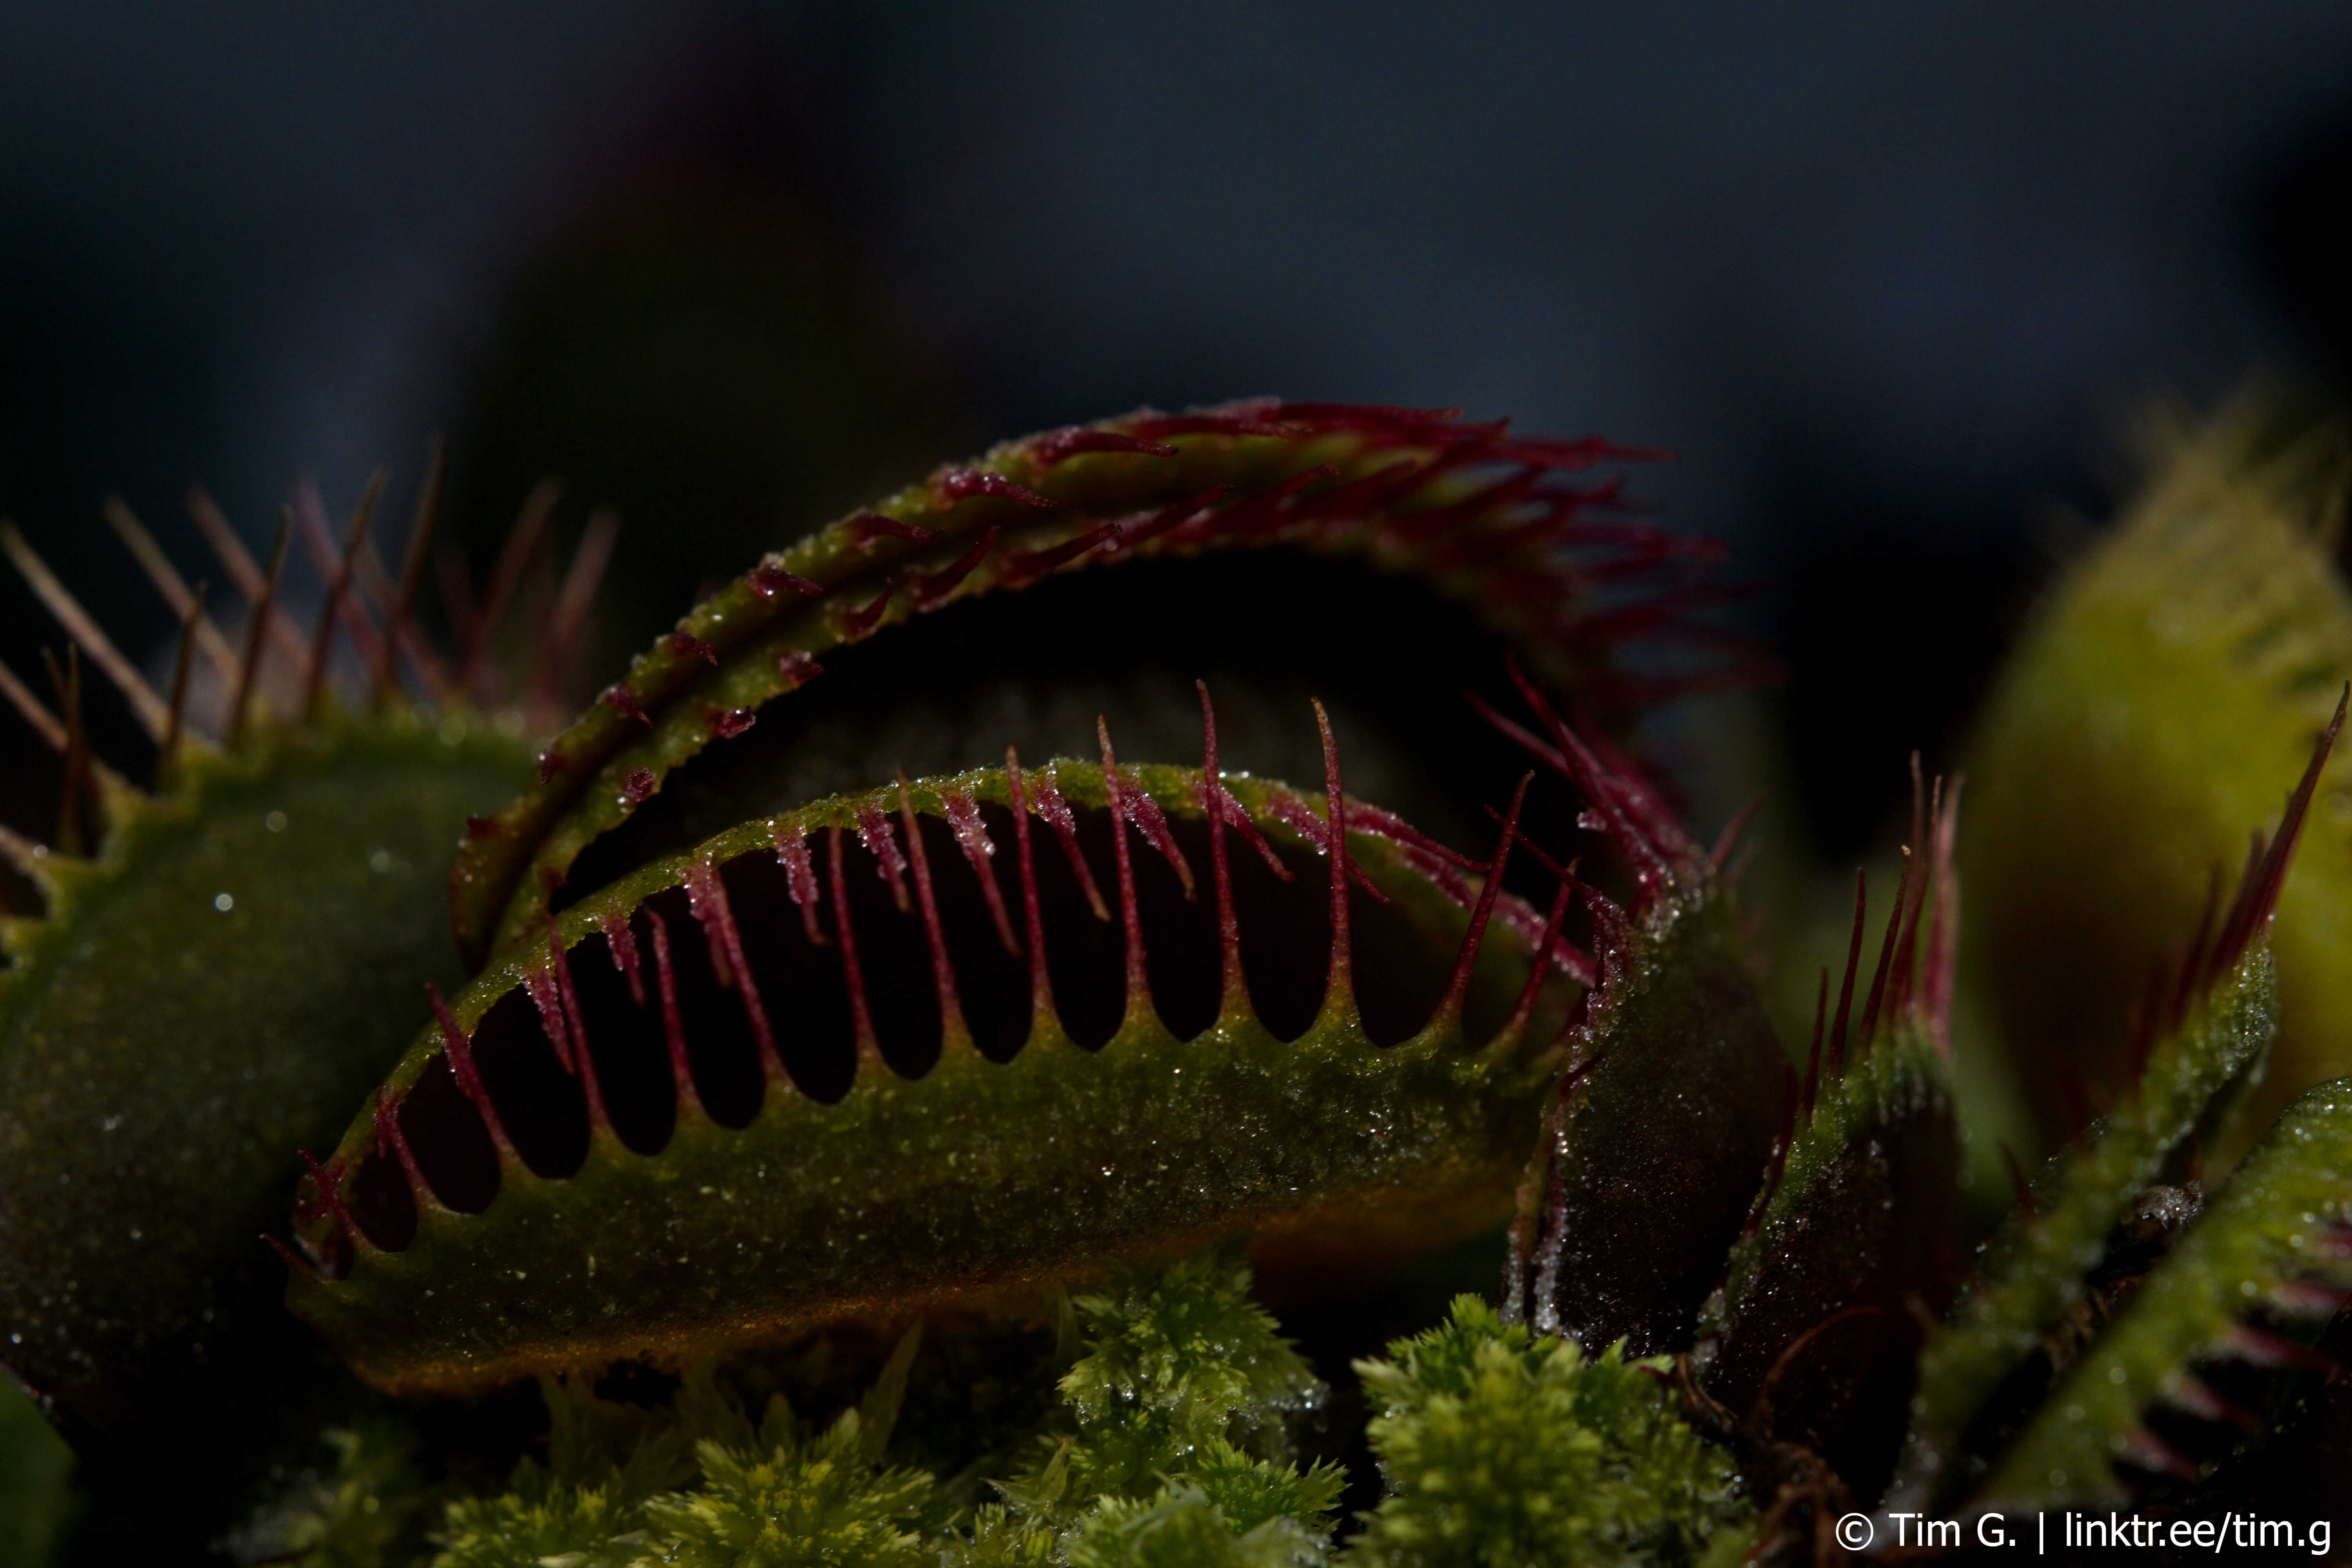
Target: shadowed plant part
(1813,1336)
(222,961)
(1657,1134)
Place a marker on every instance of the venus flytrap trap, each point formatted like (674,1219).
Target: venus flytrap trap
(951,912)
(2171,677)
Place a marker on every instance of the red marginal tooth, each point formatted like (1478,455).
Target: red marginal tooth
(640,786)
(1515,1027)
(293,1260)
(540,981)
(1041,985)
(869,1048)
(686,645)
(560,961)
(1270,510)
(963,484)
(1870,1008)
(953,1031)
(934,588)
(622,943)
(1134,535)
(706,895)
(1813,1060)
(1028,565)
(618,698)
(1214,425)
(1449,1006)
(2149,1452)
(874,832)
(867,527)
(799,878)
(2198,1397)
(856,624)
(334,1201)
(1234,986)
(1730,837)
(1577,965)
(1237,818)
(1349,503)
(1443,869)
(1944,925)
(2310,1299)
(390,1139)
(1130,914)
(1641,827)
(681,1068)
(1061,445)
(461,1054)
(726,723)
(2258,891)
(797,669)
(1057,813)
(1339,992)
(971,838)
(1298,816)
(1153,822)
(768,579)
(2022,1189)
(551,762)
(2265,1349)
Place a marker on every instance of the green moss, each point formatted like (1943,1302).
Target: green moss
(1501,1449)
(370,1510)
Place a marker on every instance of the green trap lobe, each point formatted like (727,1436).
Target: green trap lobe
(1459,507)
(865,1156)
(215,989)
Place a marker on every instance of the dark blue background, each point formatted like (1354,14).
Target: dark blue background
(1884,276)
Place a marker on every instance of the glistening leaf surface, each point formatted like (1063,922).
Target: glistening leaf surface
(1380,1112)
(215,989)
(1485,520)
(2261,1233)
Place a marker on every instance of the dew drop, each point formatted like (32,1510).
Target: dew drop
(380,862)
(275,822)
(223,902)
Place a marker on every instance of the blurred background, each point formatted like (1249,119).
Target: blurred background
(1886,278)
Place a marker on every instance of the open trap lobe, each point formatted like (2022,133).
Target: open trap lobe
(1268,630)
(672,1032)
